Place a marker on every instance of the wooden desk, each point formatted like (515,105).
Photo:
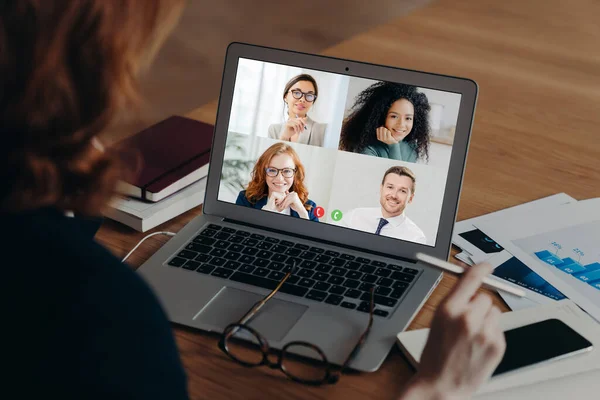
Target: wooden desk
(536,133)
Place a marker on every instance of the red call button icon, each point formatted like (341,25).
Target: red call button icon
(319,212)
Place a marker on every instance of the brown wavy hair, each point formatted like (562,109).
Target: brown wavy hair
(67,68)
(258,189)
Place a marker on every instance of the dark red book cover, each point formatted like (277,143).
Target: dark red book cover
(170,150)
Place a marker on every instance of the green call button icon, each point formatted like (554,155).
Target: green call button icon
(336,215)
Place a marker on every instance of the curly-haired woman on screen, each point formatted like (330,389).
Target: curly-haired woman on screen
(389,120)
(277,184)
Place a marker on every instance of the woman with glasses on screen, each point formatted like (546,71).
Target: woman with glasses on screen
(277,184)
(299,95)
(388,120)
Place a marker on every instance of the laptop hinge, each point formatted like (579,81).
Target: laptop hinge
(375,253)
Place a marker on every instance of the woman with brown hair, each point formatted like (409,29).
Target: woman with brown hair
(83,325)
(299,96)
(277,184)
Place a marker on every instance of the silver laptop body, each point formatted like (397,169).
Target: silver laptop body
(200,295)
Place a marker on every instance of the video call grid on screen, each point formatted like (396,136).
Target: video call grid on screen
(343,158)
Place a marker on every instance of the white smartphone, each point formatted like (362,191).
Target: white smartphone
(543,341)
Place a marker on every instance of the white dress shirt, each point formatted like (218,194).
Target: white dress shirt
(367,220)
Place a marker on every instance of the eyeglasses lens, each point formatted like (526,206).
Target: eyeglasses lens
(286,172)
(313,369)
(272,172)
(308,96)
(244,346)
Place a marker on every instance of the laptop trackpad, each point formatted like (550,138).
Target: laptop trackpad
(273,321)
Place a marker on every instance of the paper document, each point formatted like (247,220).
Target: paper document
(514,302)
(480,247)
(585,385)
(562,245)
(470,239)
(465,257)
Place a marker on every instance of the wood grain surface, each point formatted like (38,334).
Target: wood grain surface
(536,133)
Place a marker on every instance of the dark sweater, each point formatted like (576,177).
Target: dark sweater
(243,201)
(77,323)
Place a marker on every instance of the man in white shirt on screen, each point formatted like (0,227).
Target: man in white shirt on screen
(396,192)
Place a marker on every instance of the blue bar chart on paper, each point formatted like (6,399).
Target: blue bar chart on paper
(589,273)
(574,251)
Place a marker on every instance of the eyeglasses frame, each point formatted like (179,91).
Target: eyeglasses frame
(303,94)
(280,170)
(329,378)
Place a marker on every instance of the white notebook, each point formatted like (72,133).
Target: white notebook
(584,369)
(143,216)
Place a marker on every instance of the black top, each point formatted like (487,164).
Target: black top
(76,322)
(243,201)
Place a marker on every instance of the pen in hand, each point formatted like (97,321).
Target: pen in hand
(445,265)
(305,128)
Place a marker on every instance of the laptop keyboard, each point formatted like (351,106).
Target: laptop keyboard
(322,275)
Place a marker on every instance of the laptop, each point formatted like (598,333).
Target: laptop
(299,176)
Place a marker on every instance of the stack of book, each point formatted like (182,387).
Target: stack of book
(143,215)
(172,180)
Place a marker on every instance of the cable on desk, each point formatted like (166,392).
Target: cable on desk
(142,241)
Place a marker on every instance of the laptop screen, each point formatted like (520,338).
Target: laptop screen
(361,154)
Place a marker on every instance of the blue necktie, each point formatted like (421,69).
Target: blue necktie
(382,222)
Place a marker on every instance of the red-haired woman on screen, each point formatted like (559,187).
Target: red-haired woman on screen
(277,184)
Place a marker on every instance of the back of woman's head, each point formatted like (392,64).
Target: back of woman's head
(68,68)
(370,111)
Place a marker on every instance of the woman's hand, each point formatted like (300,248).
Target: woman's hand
(293,201)
(275,198)
(385,135)
(465,344)
(292,128)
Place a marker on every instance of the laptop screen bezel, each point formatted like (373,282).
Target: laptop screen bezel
(321,231)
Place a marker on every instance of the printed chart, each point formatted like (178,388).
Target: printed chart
(574,251)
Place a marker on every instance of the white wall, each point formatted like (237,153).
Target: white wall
(444,109)
(358,178)
(355,86)
(439,156)
(334,128)
(258,98)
